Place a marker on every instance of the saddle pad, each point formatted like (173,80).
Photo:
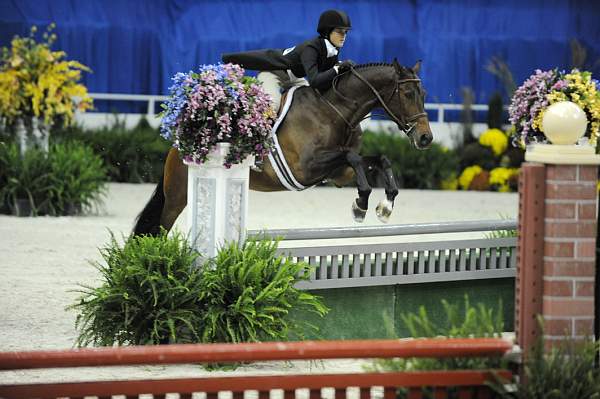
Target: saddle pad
(276,157)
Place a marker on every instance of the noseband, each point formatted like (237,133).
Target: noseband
(407,125)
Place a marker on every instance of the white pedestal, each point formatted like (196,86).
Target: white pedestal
(217,202)
(562,154)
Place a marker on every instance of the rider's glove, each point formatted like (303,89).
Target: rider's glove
(345,66)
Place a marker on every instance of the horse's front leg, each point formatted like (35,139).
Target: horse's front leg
(360,204)
(384,166)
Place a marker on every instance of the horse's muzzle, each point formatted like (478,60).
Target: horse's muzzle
(425,140)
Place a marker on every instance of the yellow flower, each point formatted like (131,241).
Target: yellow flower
(495,139)
(583,92)
(35,81)
(467,176)
(500,177)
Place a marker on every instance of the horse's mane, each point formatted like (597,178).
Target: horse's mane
(373,64)
(404,69)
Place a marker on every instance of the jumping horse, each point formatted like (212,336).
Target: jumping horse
(320,138)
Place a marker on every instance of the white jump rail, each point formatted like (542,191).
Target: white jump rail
(398,262)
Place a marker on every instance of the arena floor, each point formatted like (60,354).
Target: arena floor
(43,259)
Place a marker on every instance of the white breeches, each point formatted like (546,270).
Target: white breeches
(272,85)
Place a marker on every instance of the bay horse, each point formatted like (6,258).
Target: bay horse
(320,138)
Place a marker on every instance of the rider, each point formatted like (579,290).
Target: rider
(312,63)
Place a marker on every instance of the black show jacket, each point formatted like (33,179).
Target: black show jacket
(307,59)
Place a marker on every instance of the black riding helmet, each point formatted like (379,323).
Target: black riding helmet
(331,19)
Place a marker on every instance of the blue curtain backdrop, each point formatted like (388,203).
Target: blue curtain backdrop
(136,46)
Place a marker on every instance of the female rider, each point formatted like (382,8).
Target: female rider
(312,63)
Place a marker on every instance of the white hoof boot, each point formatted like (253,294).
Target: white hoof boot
(358,213)
(384,210)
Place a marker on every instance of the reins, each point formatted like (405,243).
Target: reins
(406,125)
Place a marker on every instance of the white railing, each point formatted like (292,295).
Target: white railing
(441,107)
(151,101)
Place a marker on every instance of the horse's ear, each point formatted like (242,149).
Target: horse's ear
(396,65)
(417,67)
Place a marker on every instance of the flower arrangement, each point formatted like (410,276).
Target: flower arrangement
(488,164)
(545,88)
(217,104)
(38,82)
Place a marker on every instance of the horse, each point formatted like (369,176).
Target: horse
(320,138)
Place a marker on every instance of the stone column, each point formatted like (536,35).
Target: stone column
(217,202)
(557,231)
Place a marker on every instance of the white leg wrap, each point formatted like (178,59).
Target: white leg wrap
(384,210)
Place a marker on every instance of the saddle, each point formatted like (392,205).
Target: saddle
(276,156)
(282,102)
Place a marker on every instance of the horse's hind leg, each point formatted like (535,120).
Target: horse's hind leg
(175,189)
(361,204)
(384,166)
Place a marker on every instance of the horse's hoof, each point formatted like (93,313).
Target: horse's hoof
(384,210)
(358,213)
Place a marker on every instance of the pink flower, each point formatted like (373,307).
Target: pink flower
(214,105)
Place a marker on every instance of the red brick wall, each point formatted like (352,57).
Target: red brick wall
(569,250)
(557,229)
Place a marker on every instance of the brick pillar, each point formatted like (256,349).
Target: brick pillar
(530,255)
(569,250)
(557,229)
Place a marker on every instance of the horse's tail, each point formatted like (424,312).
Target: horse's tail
(148,221)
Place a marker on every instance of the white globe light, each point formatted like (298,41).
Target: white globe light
(564,123)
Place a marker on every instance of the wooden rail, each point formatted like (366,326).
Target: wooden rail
(462,383)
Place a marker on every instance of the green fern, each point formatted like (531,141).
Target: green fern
(152,293)
(248,293)
(149,294)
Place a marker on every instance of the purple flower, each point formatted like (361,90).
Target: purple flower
(213,105)
(529,99)
(560,85)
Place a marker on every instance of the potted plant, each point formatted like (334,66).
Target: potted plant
(218,120)
(545,88)
(217,104)
(39,87)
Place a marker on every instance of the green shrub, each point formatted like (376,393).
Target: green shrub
(412,168)
(67,179)
(78,178)
(567,371)
(149,294)
(473,322)
(27,177)
(152,293)
(248,293)
(130,155)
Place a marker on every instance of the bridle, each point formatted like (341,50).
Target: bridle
(407,125)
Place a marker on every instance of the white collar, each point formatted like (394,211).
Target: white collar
(331,49)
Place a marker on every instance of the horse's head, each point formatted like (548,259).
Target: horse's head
(407,105)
